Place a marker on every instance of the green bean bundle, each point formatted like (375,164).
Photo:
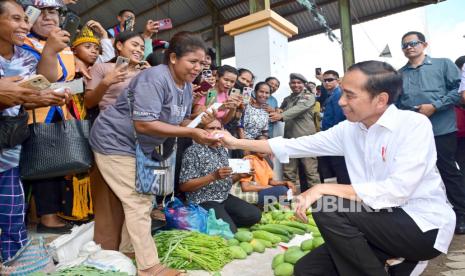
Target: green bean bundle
(192,250)
(81,270)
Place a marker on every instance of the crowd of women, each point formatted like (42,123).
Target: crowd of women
(139,102)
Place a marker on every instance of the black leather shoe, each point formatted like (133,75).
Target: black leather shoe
(54,230)
(460,225)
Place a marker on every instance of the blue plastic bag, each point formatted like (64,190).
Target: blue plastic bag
(186,217)
(218,227)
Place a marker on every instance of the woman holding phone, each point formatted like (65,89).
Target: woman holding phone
(108,80)
(226,77)
(162,101)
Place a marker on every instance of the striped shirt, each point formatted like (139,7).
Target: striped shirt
(24,64)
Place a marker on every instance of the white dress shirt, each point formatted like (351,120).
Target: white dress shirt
(390,164)
(108,52)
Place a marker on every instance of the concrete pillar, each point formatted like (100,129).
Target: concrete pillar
(346,34)
(261,45)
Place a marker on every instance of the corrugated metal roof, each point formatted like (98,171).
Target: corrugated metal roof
(188,15)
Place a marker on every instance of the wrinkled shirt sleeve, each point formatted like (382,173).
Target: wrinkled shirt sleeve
(411,163)
(323,143)
(452,82)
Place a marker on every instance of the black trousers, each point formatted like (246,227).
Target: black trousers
(460,155)
(50,195)
(235,211)
(333,166)
(358,243)
(446,147)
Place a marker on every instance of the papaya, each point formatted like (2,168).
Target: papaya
(306,245)
(317,241)
(293,256)
(257,246)
(243,236)
(248,248)
(237,252)
(277,260)
(284,269)
(232,242)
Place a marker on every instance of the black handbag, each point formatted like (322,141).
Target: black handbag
(56,149)
(13,130)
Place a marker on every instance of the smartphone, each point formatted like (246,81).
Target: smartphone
(207,74)
(121,61)
(129,23)
(247,94)
(75,86)
(317,71)
(165,24)
(234,91)
(204,86)
(36,82)
(71,25)
(32,14)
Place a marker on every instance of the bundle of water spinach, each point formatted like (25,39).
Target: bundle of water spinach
(192,250)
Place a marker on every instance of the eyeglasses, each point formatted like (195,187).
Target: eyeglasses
(329,80)
(413,44)
(50,11)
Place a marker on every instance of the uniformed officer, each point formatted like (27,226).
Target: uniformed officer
(297,112)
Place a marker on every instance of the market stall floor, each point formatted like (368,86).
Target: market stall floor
(256,264)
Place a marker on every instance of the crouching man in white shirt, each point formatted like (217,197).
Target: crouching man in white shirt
(390,156)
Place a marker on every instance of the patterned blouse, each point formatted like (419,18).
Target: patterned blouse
(200,160)
(254,121)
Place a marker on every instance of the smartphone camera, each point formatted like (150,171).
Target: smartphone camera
(128,23)
(207,74)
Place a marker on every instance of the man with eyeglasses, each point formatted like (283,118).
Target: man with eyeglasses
(329,166)
(430,87)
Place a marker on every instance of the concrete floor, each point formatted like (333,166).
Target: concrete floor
(256,264)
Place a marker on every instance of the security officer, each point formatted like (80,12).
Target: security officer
(297,112)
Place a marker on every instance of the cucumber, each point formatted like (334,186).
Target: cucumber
(284,238)
(266,243)
(273,229)
(260,234)
(297,224)
(293,230)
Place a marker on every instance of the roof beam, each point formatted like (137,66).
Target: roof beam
(94,7)
(156,6)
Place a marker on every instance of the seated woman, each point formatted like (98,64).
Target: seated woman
(262,181)
(206,179)
(226,77)
(254,121)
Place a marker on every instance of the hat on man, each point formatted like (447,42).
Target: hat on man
(42,4)
(85,35)
(298,76)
